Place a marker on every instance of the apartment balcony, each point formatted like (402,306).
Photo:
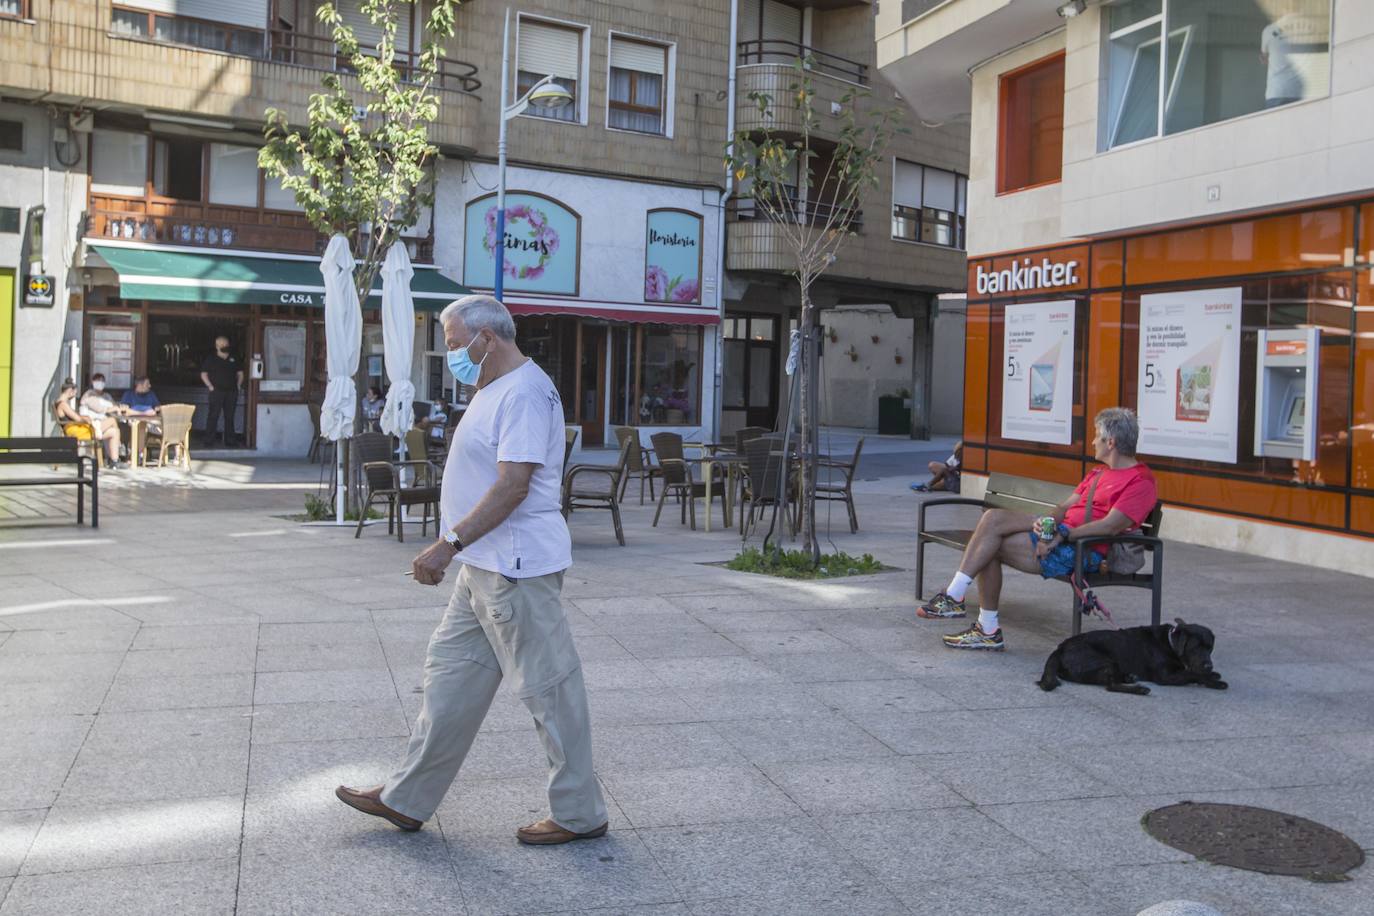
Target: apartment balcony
(757,243)
(75,56)
(196,225)
(770,68)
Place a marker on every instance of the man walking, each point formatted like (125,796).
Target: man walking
(502,520)
(223,375)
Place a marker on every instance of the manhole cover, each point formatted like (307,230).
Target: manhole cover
(1255,839)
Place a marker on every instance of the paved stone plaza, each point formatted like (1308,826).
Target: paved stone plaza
(181,690)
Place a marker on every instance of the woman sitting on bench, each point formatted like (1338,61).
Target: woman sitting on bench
(1122,496)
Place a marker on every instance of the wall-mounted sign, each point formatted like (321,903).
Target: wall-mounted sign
(1028,274)
(39,290)
(1189,374)
(543,244)
(1037,382)
(672,257)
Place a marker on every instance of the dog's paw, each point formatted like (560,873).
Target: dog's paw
(1216,685)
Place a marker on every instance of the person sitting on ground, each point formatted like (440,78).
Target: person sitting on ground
(103,415)
(1122,495)
(372,407)
(68,417)
(944,475)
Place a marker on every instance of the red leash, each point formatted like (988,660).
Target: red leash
(1090,601)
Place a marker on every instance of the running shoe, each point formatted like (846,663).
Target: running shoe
(941,605)
(975,638)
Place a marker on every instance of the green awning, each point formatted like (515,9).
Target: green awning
(253,278)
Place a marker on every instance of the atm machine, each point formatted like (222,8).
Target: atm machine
(1286,394)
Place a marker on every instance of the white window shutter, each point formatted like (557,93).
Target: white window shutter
(906,184)
(369,35)
(638,56)
(251,14)
(940,190)
(781,22)
(548,50)
(749,20)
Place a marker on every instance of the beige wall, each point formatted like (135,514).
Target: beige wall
(852,386)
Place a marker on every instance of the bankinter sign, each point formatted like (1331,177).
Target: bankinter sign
(1026,276)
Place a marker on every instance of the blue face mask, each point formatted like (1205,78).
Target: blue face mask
(463,368)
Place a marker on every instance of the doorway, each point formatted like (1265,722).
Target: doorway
(749,379)
(591,388)
(178,345)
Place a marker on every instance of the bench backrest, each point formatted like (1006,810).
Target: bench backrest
(39,450)
(1025,494)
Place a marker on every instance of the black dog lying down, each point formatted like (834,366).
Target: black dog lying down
(1171,655)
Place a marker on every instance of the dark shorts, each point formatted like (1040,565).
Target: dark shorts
(1059,561)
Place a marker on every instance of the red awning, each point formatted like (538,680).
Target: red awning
(612,312)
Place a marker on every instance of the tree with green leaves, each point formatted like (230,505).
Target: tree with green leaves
(811,187)
(361,165)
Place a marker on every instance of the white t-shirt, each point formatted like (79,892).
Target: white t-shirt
(517,418)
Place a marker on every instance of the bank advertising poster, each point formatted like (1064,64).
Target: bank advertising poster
(672,257)
(1189,385)
(543,242)
(1037,385)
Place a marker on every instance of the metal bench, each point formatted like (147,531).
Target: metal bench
(1039,497)
(55,451)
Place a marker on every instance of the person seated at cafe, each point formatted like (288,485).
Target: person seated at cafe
(103,414)
(373,405)
(68,417)
(140,399)
(434,424)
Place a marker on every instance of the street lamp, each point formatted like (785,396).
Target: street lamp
(544,94)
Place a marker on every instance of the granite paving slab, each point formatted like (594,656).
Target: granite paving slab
(701,795)
(184,888)
(856,786)
(17,830)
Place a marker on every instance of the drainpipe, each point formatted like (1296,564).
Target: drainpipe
(720,220)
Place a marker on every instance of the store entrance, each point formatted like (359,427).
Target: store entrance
(178,345)
(591,384)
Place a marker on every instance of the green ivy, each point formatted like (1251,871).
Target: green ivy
(797,564)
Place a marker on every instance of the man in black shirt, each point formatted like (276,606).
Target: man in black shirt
(223,375)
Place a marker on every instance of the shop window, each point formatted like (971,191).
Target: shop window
(637,91)
(177,168)
(233,175)
(12,136)
(232,28)
(928,204)
(1030,143)
(670,377)
(545,49)
(119,162)
(1172,65)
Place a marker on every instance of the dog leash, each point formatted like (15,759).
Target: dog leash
(1090,602)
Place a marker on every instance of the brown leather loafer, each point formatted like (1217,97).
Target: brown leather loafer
(369,801)
(548,833)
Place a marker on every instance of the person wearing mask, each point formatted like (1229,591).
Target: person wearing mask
(504,526)
(372,407)
(222,374)
(103,415)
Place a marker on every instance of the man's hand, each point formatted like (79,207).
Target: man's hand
(433,561)
(1043,548)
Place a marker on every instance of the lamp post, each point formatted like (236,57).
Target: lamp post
(543,94)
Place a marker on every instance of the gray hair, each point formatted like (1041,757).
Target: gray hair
(1119,424)
(480,313)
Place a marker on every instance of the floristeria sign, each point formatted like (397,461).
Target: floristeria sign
(543,243)
(672,257)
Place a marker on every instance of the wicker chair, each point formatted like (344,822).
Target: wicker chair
(763,470)
(841,490)
(570,434)
(678,479)
(382,477)
(175,434)
(321,447)
(747,434)
(597,486)
(641,463)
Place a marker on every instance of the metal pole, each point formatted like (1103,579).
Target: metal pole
(498,284)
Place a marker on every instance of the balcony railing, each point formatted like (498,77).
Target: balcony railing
(213,226)
(320,53)
(769,51)
(810,213)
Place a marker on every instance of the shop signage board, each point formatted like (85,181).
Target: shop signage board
(543,244)
(672,257)
(1189,374)
(1037,380)
(38,290)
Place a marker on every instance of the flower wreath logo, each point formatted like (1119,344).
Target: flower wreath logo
(536,235)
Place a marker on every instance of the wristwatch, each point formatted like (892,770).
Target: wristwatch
(451,538)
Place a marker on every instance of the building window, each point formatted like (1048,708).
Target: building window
(9,219)
(928,204)
(178,166)
(670,376)
(1030,142)
(770,32)
(1221,60)
(14,9)
(545,49)
(12,136)
(637,91)
(239,33)
(119,163)
(233,175)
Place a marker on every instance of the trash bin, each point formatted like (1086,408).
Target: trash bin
(894,419)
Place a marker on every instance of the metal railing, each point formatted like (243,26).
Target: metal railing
(810,213)
(771,51)
(319,52)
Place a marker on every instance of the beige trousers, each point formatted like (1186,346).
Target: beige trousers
(497,627)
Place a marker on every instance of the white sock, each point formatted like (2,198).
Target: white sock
(958,586)
(987,619)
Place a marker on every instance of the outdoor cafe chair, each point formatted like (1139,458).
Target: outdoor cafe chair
(382,480)
(764,471)
(175,434)
(840,488)
(747,434)
(570,434)
(597,486)
(678,479)
(641,463)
